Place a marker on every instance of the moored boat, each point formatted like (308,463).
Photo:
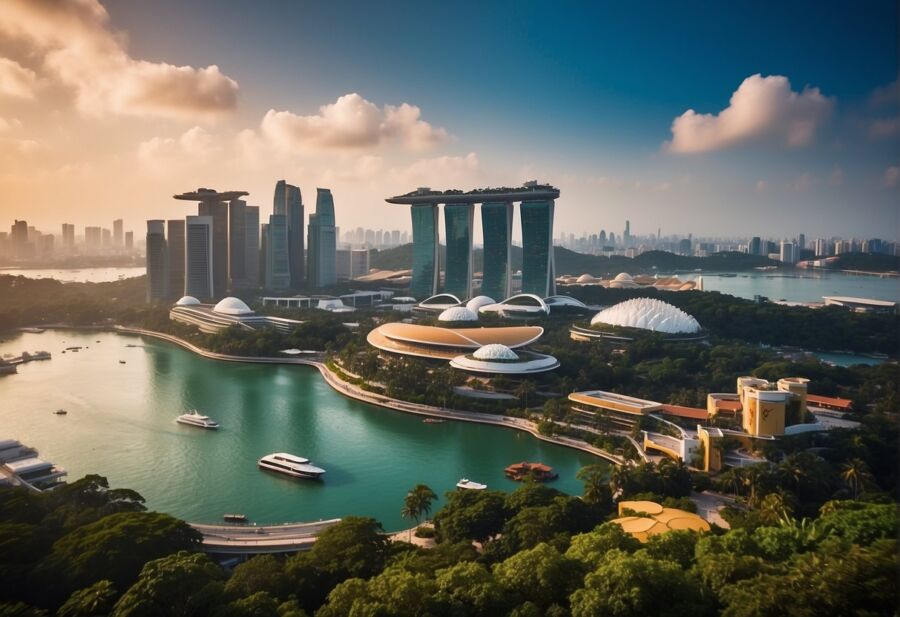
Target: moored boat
(469,485)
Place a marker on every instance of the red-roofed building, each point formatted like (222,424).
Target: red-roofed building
(829,402)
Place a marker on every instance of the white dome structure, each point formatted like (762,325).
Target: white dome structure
(585,279)
(495,351)
(188,301)
(623,276)
(648,314)
(458,313)
(477,302)
(232,306)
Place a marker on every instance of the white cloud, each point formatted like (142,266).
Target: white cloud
(8,124)
(892,176)
(884,128)
(442,171)
(167,154)
(80,51)
(351,122)
(762,109)
(16,80)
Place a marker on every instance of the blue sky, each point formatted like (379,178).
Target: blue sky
(583,95)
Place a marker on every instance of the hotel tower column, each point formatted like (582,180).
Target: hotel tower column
(459,220)
(425,250)
(496,227)
(537,240)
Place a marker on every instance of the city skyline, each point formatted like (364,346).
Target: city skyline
(724,138)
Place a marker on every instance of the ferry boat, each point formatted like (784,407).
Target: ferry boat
(469,485)
(433,421)
(235,518)
(195,418)
(60,412)
(290,465)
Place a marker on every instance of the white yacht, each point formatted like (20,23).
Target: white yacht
(195,418)
(290,465)
(467,484)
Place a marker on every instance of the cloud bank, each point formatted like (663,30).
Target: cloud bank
(78,49)
(761,110)
(352,122)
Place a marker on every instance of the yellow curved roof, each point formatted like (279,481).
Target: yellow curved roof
(661,520)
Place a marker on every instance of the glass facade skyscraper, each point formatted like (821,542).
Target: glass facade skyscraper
(425,251)
(322,245)
(496,226)
(237,229)
(537,257)
(278,273)
(156,261)
(175,243)
(459,220)
(251,246)
(289,202)
(198,257)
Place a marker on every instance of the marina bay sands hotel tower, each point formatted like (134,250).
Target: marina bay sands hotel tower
(536,209)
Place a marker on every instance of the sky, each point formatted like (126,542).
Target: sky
(717,119)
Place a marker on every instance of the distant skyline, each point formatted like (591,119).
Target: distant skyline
(732,120)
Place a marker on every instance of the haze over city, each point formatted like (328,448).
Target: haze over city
(756,120)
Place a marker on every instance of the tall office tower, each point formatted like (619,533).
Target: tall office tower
(459,219)
(68,236)
(118,233)
(626,237)
(263,271)
(199,257)
(19,232)
(684,246)
(786,254)
(370,238)
(175,229)
(395,237)
(157,283)
(404,237)
(214,205)
(537,236)
(379,238)
(129,241)
(755,246)
(322,242)
(289,202)
(801,244)
(496,226)
(106,238)
(92,237)
(237,244)
(46,244)
(251,246)
(351,263)
(278,270)
(426,264)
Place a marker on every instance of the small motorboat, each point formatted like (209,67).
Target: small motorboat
(235,518)
(469,485)
(195,418)
(433,421)
(60,412)
(121,361)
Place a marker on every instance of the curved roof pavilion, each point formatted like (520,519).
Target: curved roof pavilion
(447,343)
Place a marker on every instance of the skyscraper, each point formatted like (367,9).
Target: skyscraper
(129,241)
(118,233)
(175,241)
(213,204)
(107,238)
(322,242)
(537,238)
(237,244)
(626,237)
(198,257)
(263,270)
(458,221)
(92,238)
(156,261)
(278,273)
(755,246)
(251,246)
(787,253)
(496,226)
(68,236)
(425,250)
(289,202)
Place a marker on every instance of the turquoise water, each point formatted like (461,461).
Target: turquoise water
(121,425)
(847,359)
(803,286)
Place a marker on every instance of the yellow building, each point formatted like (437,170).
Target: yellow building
(711,439)
(766,408)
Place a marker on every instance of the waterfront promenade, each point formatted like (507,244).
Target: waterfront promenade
(254,540)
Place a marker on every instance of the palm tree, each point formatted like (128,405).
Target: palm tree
(596,483)
(525,387)
(619,479)
(856,474)
(417,503)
